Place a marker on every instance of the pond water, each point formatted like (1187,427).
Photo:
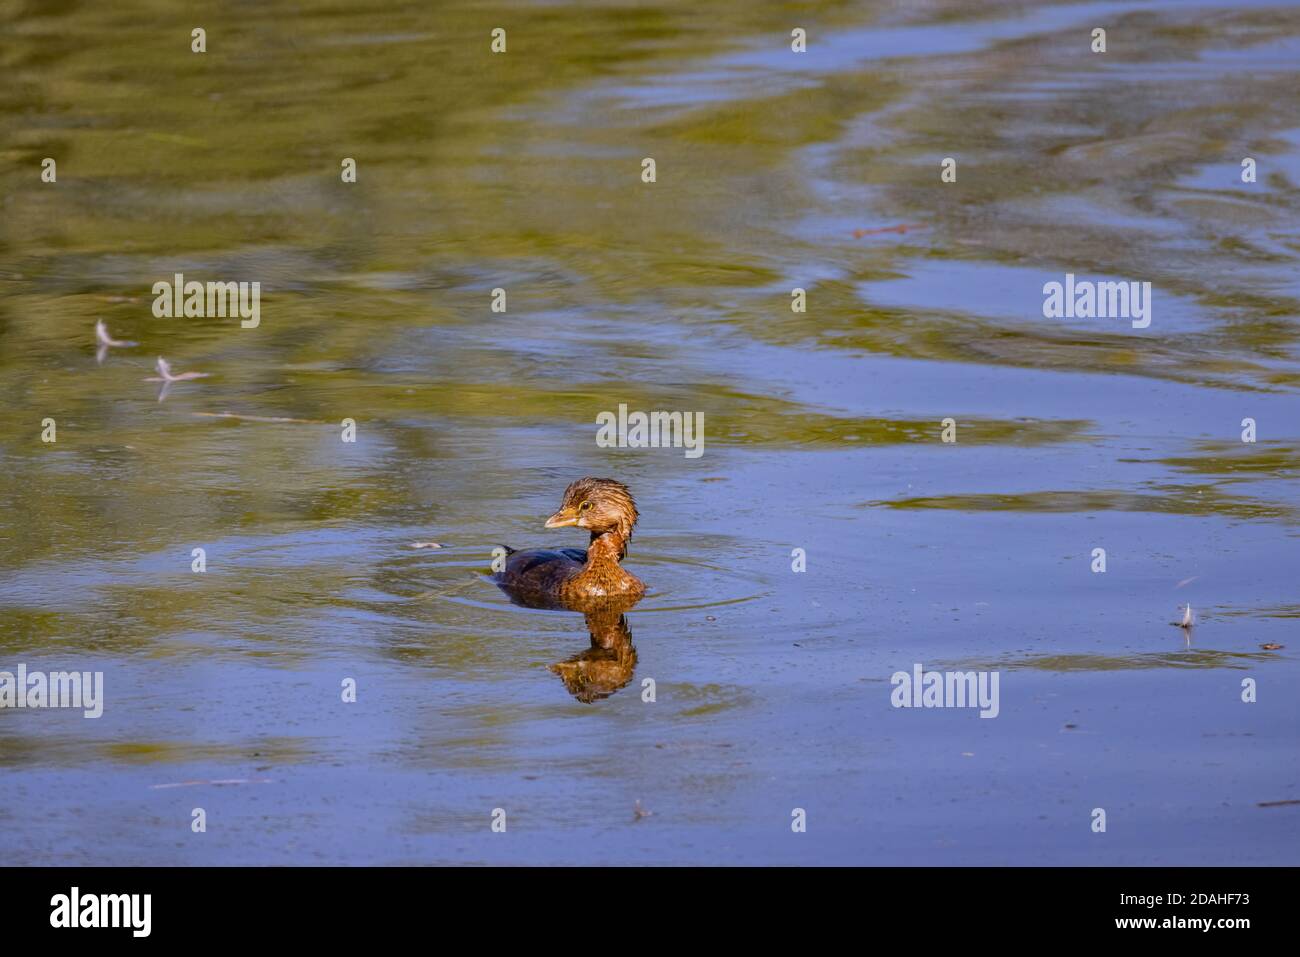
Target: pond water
(772,688)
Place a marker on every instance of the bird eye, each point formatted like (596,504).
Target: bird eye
(584,506)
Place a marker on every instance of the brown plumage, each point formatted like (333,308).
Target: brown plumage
(572,576)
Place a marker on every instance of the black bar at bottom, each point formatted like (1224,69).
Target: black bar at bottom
(331,906)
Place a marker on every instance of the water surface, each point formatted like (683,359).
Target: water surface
(775,170)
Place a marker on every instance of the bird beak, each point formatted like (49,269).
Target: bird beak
(560,520)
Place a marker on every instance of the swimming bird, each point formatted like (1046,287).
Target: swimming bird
(602,506)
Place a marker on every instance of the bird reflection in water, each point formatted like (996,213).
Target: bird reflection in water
(604,667)
(597,672)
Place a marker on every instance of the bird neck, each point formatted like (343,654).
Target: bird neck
(606,549)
